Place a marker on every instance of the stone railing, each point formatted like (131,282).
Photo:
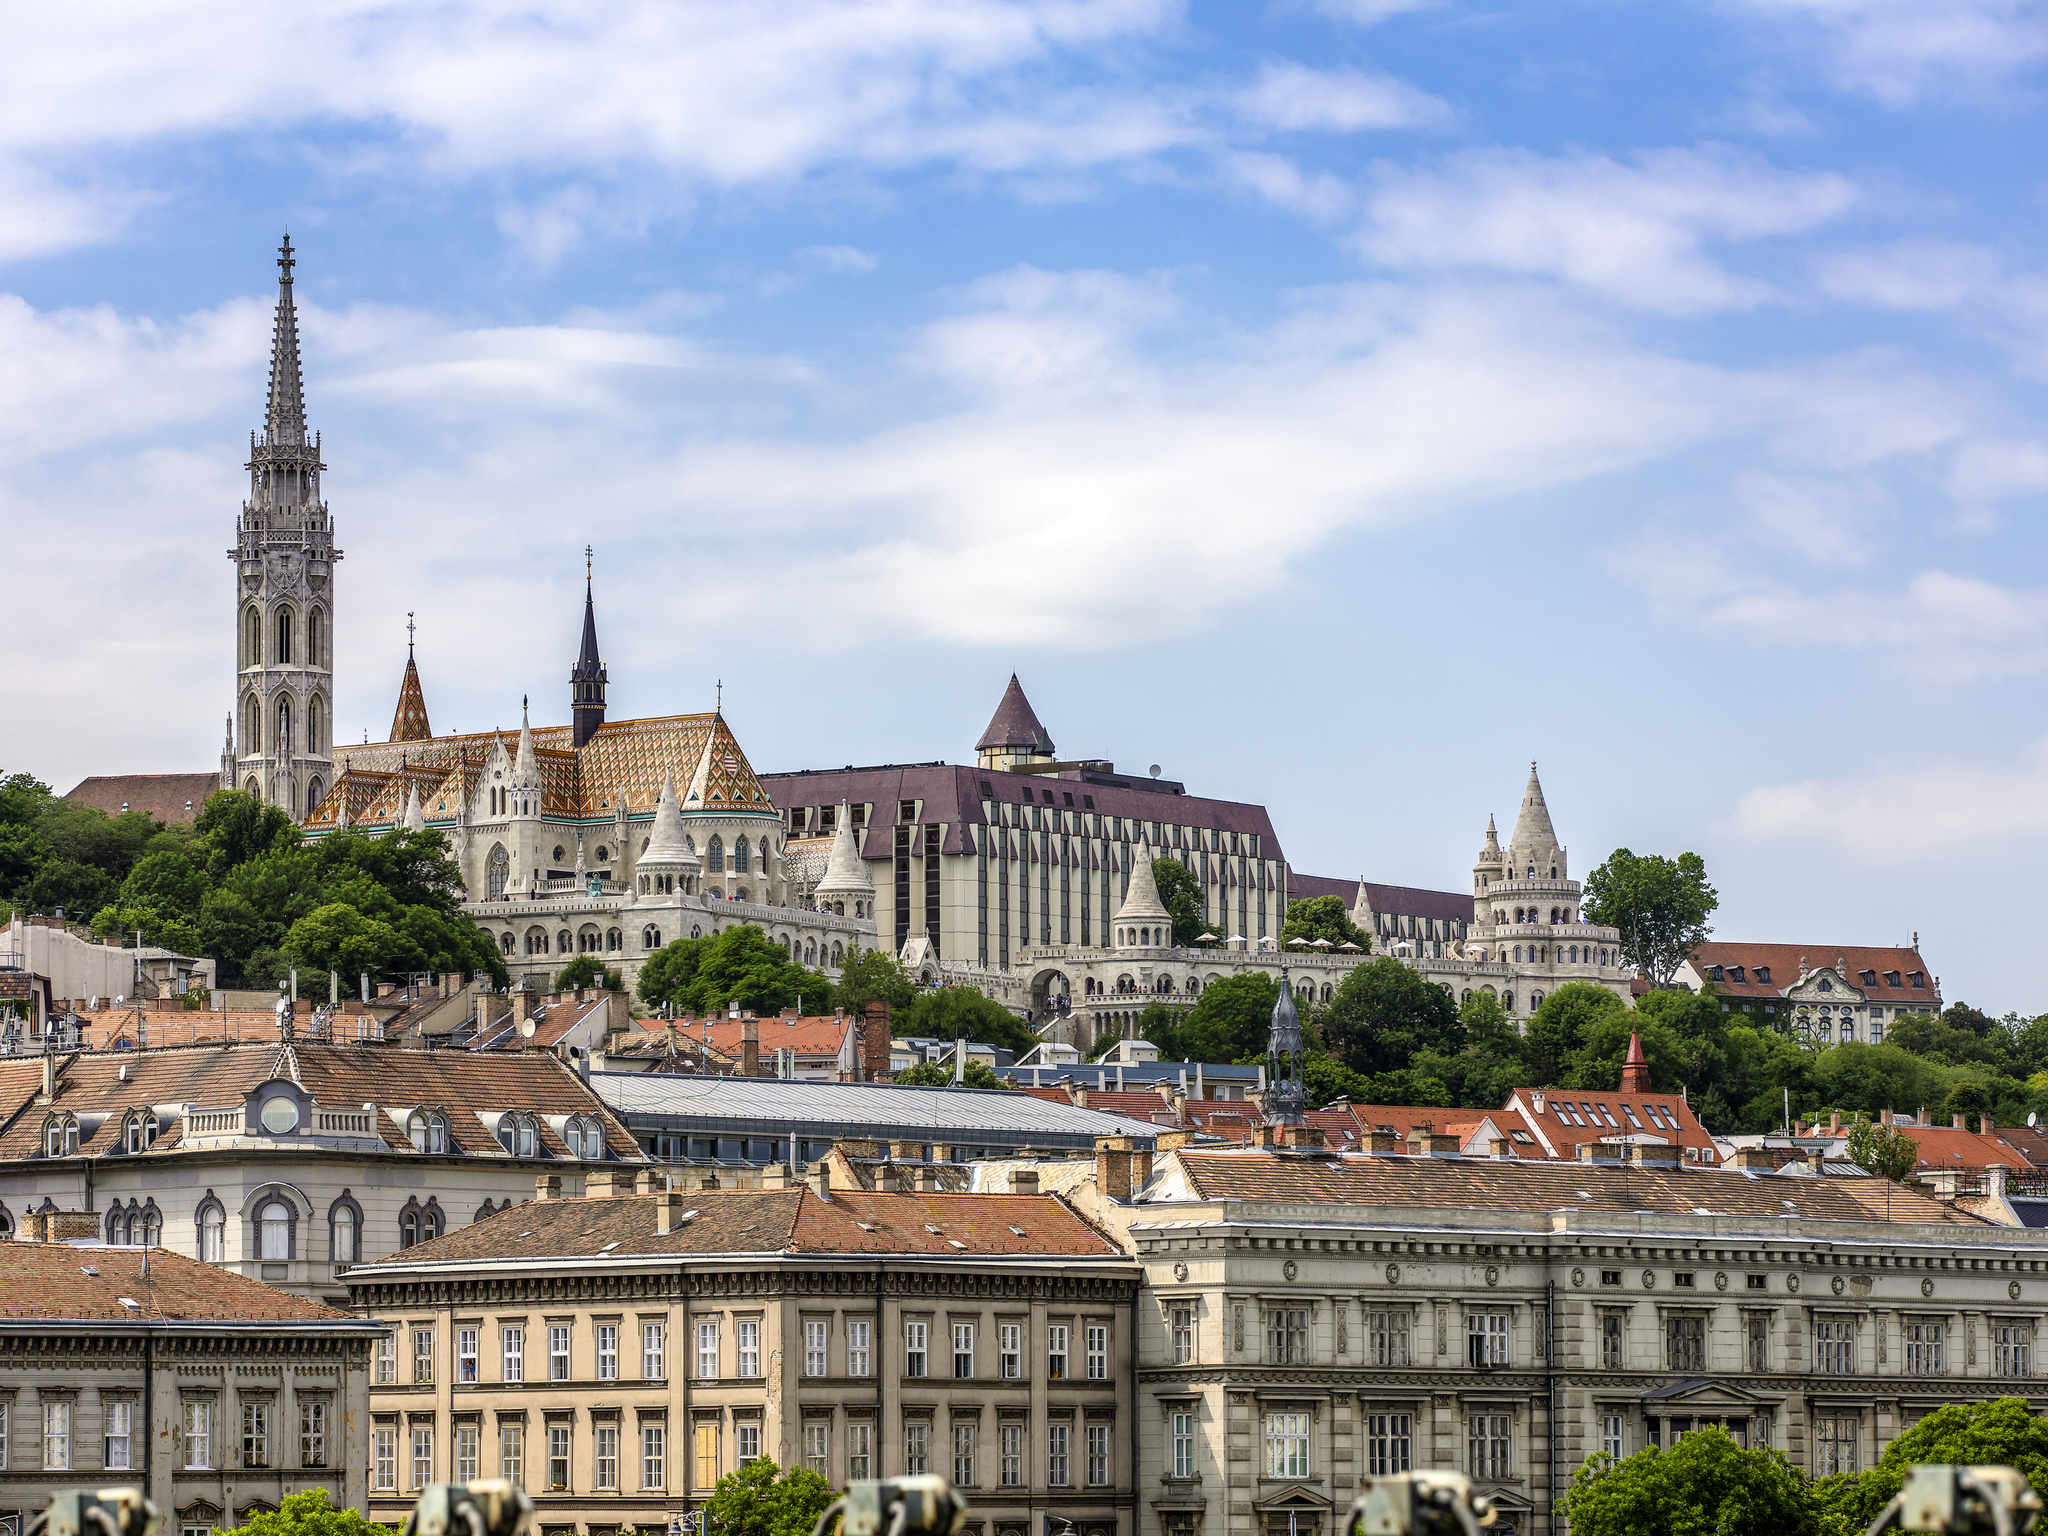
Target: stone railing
(344,1122)
(213,1122)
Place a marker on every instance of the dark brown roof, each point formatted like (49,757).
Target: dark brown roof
(1569,1116)
(792,1221)
(172,797)
(1387,900)
(62,1283)
(1015,723)
(1784,961)
(465,1085)
(1456,1183)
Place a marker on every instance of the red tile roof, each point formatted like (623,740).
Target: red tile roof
(1784,961)
(60,1282)
(162,795)
(1943,1146)
(812,1035)
(1569,1116)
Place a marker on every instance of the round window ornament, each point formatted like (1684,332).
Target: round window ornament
(1927,1286)
(1180,1271)
(1792,1283)
(1290,1269)
(1649,1279)
(1578,1277)
(1721,1281)
(280,1114)
(1393,1274)
(1838,1285)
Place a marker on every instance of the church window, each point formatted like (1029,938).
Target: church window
(536,941)
(252,640)
(1532,871)
(313,789)
(498,873)
(284,637)
(316,724)
(1575,954)
(838,954)
(316,638)
(739,856)
(650,937)
(614,939)
(587,941)
(742,894)
(284,726)
(253,789)
(1553,871)
(714,855)
(1507,1001)
(505,942)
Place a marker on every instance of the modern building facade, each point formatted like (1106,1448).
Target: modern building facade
(617,1356)
(216,1394)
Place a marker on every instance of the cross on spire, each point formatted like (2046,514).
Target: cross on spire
(720,707)
(285,260)
(408,631)
(587,553)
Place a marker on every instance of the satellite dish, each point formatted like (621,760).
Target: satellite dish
(526,1028)
(1154,770)
(2033,1120)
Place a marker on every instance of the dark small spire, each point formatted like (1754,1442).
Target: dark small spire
(1015,725)
(587,678)
(1286,1092)
(285,419)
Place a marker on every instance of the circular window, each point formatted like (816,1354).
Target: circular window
(280,1115)
(558,853)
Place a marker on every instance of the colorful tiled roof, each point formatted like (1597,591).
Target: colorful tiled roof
(409,720)
(57,1282)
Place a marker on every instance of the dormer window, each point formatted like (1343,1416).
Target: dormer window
(1735,974)
(1916,978)
(60,1135)
(139,1133)
(585,1138)
(1891,978)
(1713,973)
(1763,975)
(428,1131)
(519,1135)
(1868,978)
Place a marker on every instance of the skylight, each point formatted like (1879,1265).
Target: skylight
(956,1242)
(1016,1230)
(931,1229)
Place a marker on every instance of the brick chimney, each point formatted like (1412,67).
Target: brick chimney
(1024,1182)
(1755,1159)
(1497,1146)
(1956,1123)
(668,1210)
(58,1226)
(1650,1154)
(1834,1122)
(874,1040)
(750,1047)
(1384,1143)
(547,1186)
(1114,1159)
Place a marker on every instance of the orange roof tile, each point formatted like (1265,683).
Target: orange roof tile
(59,1282)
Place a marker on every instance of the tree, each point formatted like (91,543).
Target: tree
(2003,1432)
(341,939)
(933,1074)
(1384,1012)
(586,971)
(760,1499)
(1182,894)
(1705,1485)
(1229,1021)
(1323,917)
(1884,1150)
(739,967)
(309,1513)
(962,1013)
(1661,906)
(1560,1027)
(869,975)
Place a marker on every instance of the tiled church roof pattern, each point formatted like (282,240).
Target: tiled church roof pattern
(625,759)
(409,720)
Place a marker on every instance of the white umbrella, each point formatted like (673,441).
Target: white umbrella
(1347,944)
(1298,943)
(1236,938)
(1205,938)
(1320,943)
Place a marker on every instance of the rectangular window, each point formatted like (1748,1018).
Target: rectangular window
(558,1352)
(747,1338)
(1611,1436)
(1685,1343)
(386,1361)
(1180,1435)
(384,1458)
(1181,1328)
(1098,1455)
(653,1457)
(963,1454)
(607,1351)
(1758,1344)
(652,1352)
(746,1443)
(1486,1338)
(1010,1343)
(1613,1343)
(604,1452)
(963,1352)
(512,1353)
(1834,1346)
(1287,1445)
(704,1454)
(857,1355)
(917,1448)
(1057,1447)
(707,1351)
(118,1431)
(1056,1352)
(916,1341)
(860,1450)
(1923,1346)
(313,1432)
(2012,1348)
(1835,1437)
(817,1333)
(1389,1441)
(468,1453)
(57,1437)
(818,1446)
(1386,1336)
(465,1354)
(1488,1441)
(512,1454)
(561,1443)
(255,1432)
(1098,1351)
(1286,1335)
(422,1356)
(422,1455)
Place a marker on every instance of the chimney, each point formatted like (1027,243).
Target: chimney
(1956,1122)
(1754,1159)
(927,1178)
(1113,1167)
(1438,1144)
(1817,1159)
(49,1075)
(668,1210)
(547,1186)
(1650,1154)
(1024,1182)
(1384,1143)
(1497,1146)
(613,1183)
(1301,1136)
(1834,1122)
(750,1047)
(1076,1094)
(874,1046)
(1884,1117)
(821,1179)
(522,1006)
(775,1176)
(1994,1180)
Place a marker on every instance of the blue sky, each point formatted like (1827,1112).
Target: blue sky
(1339,404)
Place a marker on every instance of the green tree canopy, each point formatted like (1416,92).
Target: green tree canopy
(1560,1027)
(2003,1432)
(1228,1022)
(309,1513)
(1705,1485)
(1884,1150)
(586,971)
(1323,917)
(1384,1013)
(869,974)
(932,1074)
(738,967)
(962,1013)
(760,1499)
(1661,907)
(1182,894)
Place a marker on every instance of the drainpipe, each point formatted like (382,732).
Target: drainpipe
(878,1359)
(686,1362)
(148,1405)
(1131,1417)
(1550,1403)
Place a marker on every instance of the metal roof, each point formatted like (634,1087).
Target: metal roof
(766,1106)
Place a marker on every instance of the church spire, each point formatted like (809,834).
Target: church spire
(409,720)
(1534,836)
(285,421)
(587,679)
(1286,1092)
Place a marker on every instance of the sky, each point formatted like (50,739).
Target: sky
(1339,403)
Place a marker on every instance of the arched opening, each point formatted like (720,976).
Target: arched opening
(283,739)
(274,1230)
(285,622)
(314,790)
(316,638)
(252,639)
(252,726)
(316,725)
(714,855)
(740,862)
(344,1229)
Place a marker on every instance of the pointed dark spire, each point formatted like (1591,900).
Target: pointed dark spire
(1286,1092)
(587,678)
(409,720)
(1015,726)
(285,419)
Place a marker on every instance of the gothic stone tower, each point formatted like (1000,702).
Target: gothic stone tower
(280,736)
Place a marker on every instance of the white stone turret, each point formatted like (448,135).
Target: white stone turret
(845,888)
(415,818)
(667,864)
(1142,922)
(523,789)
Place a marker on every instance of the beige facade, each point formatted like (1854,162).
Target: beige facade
(618,1387)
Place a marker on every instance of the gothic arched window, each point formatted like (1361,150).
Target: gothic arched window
(316,724)
(739,856)
(536,941)
(252,725)
(284,637)
(714,855)
(314,790)
(316,638)
(344,1230)
(614,939)
(213,1230)
(497,872)
(650,937)
(252,640)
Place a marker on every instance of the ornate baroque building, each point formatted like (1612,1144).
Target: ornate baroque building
(280,734)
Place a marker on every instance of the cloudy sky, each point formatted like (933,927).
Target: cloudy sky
(1337,402)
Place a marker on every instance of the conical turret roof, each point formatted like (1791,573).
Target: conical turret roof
(525,770)
(1141,901)
(668,844)
(845,872)
(1635,1071)
(1489,851)
(415,819)
(1015,724)
(1532,822)
(409,720)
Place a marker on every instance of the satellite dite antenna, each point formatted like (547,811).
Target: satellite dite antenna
(526,1029)
(2033,1120)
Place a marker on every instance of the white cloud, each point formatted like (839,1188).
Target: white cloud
(1827,522)
(1635,230)
(41,214)
(838,258)
(1899,51)
(1314,195)
(1294,98)
(1995,469)
(1370,13)
(1908,275)
(1936,809)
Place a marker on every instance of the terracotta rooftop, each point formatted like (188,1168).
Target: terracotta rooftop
(1890,970)
(162,795)
(791,1221)
(62,1282)
(1454,1183)
(811,1035)
(1562,1118)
